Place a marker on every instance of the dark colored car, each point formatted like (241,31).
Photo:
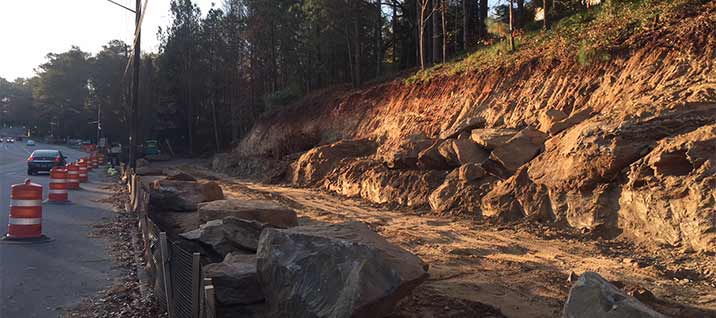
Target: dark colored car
(44,160)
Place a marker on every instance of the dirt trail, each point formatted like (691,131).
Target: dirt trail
(521,269)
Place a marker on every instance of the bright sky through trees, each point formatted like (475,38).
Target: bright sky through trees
(29,29)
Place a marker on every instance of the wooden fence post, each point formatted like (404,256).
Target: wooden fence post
(167,280)
(209,297)
(195,284)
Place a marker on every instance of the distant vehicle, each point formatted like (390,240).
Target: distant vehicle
(151,148)
(30,143)
(11,140)
(44,160)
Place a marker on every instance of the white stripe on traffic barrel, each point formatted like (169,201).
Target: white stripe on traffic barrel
(25,203)
(25,221)
(57,191)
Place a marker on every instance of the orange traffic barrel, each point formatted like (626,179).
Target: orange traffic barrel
(94,161)
(73,176)
(25,221)
(82,164)
(58,186)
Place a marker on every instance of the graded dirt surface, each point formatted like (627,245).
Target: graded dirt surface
(479,269)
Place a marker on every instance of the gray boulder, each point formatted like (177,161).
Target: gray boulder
(235,280)
(335,270)
(593,297)
(258,210)
(182,196)
(228,235)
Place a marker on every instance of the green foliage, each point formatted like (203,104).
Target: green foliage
(282,98)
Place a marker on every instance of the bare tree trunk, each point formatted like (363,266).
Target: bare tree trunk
(422,8)
(436,24)
(468,35)
(379,40)
(443,10)
(357,48)
(512,28)
(546,22)
(394,28)
(482,18)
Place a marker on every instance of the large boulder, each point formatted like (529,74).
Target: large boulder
(182,196)
(228,235)
(177,175)
(404,155)
(573,119)
(376,183)
(312,166)
(467,151)
(592,296)
(520,149)
(431,159)
(491,138)
(461,192)
(235,280)
(262,211)
(447,151)
(335,270)
(462,126)
(148,171)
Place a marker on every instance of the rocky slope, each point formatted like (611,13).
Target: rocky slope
(618,147)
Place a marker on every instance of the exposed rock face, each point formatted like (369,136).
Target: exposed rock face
(458,128)
(336,270)
(574,119)
(182,196)
(431,159)
(312,166)
(228,235)
(548,119)
(593,297)
(235,280)
(376,183)
(520,149)
(584,178)
(405,155)
(262,211)
(468,151)
(462,191)
(670,193)
(491,138)
(447,151)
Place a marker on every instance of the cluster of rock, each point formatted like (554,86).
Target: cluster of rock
(648,177)
(272,267)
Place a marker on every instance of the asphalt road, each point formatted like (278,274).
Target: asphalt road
(43,279)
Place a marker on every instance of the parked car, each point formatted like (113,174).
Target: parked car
(30,143)
(44,160)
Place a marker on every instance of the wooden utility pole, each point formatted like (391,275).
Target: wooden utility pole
(134,117)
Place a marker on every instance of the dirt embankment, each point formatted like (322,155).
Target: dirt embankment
(623,147)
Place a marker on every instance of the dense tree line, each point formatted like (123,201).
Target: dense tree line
(215,73)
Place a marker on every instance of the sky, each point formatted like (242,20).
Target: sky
(29,29)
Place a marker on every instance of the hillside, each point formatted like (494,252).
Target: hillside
(606,124)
